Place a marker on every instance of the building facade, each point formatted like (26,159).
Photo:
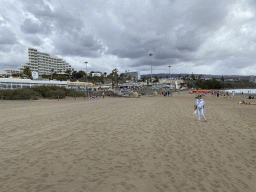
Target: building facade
(43,63)
(15,83)
(134,74)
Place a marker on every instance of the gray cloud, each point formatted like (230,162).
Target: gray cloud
(77,45)
(7,37)
(13,57)
(60,18)
(34,40)
(201,35)
(32,27)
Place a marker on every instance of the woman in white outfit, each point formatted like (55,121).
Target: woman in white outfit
(200,108)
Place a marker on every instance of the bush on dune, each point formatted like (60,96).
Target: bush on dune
(49,92)
(55,94)
(72,93)
(19,94)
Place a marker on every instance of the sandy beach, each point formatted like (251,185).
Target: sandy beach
(146,144)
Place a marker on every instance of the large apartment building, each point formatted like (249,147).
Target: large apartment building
(41,62)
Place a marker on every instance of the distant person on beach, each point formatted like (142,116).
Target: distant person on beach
(251,97)
(103,94)
(200,108)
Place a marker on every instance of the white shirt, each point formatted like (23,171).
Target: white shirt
(197,101)
(200,103)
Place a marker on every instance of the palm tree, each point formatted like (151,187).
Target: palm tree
(193,76)
(68,71)
(116,76)
(105,74)
(122,76)
(110,76)
(27,72)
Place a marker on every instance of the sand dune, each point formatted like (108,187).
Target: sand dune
(143,144)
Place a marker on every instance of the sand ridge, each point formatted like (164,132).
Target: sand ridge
(127,144)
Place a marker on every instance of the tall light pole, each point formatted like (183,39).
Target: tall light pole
(86,69)
(150,54)
(169,71)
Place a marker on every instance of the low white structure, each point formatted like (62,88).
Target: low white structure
(79,86)
(15,83)
(96,73)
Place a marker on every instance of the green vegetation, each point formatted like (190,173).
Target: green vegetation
(209,84)
(156,79)
(19,94)
(48,92)
(27,72)
(214,84)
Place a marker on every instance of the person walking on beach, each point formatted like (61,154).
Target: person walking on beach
(200,108)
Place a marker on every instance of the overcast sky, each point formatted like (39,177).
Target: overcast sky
(200,36)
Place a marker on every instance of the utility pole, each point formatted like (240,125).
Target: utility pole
(86,69)
(150,54)
(86,79)
(169,71)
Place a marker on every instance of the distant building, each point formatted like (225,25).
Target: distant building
(134,74)
(43,63)
(96,74)
(251,78)
(206,78)
(172,83)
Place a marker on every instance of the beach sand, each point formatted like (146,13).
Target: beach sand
(143,144)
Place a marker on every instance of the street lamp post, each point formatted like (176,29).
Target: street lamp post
(86,78)
(150,54)
(86,70)
(170,75)
(169,71)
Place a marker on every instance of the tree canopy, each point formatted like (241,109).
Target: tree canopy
(27,72)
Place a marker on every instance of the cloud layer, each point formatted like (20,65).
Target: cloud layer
(210,37)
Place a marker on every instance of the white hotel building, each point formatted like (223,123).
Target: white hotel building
(43,63)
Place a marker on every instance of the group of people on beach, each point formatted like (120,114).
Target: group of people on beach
(251,97)
(221,93)
(166,93)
